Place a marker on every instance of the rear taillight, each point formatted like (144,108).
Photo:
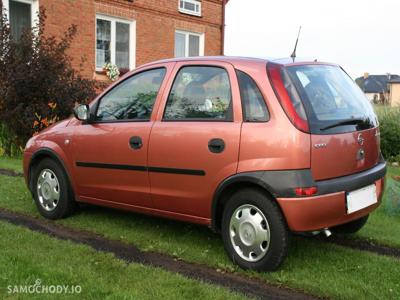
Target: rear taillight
(306,192)
(278,84)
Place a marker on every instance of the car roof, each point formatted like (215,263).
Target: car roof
(237,60)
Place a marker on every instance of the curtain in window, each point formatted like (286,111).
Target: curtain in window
(20,18)
(194,45)
(122,45)
(179,44)
(103,43)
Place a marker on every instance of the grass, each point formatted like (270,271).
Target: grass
(99,275)
(383,226)
(11,163)
(319,268)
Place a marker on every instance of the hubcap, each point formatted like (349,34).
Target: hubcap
(48,189)
(249,232)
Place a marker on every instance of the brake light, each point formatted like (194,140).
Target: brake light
(306,192)
(274,73)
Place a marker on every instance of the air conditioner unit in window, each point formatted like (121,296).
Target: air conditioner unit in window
(191,7)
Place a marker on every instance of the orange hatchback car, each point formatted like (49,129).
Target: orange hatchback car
(255,149)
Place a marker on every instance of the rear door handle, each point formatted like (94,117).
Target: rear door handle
(136,142)
(216,145)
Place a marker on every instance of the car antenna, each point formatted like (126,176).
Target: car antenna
(293,56)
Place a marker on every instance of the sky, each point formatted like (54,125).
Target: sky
(361,36)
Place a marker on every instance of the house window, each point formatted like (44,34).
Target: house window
(22,15)
(115,42)
(191,7)
(188,44)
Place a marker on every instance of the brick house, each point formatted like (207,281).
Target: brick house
(127,33)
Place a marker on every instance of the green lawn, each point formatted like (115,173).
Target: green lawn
(99,275)
(320,268)
(383,226)
(11,163)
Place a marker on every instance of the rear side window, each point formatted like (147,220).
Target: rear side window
(253,103)
(132,99)
(200,93)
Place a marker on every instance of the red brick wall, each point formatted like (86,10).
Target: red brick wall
(60,15)
(156,22)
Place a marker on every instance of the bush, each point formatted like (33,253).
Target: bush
(7,146)
(392,203)
(38,85)
(389,120)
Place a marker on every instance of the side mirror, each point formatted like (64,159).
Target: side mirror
(82,112)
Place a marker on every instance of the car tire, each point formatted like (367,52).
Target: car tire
(351,227)
(51,190)
(254,231)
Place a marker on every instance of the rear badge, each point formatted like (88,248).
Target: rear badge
(319,146)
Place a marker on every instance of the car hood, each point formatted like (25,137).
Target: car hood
(55,126)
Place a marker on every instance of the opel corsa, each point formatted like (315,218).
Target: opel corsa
(254,149)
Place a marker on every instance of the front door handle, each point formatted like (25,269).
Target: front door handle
(136,142)
(216,145)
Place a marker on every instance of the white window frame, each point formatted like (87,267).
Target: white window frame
(187,33)
(34,9)
(190,12)
(132,39)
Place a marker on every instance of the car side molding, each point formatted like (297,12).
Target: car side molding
(141,168)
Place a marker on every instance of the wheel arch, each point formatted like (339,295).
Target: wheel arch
(229,186)
(41,154)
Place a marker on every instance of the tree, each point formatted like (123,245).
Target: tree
(38,84)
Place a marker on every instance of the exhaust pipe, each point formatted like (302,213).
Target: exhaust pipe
(327,232)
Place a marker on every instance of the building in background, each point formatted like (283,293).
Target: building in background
(127,33)
(376,87)
(394,92)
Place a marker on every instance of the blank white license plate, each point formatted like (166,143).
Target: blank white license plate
(361,198)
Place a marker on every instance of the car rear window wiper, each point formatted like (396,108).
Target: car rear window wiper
(345,122)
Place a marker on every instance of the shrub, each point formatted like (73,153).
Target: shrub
(7,146)
(392,203)
(389,120)
(38,85)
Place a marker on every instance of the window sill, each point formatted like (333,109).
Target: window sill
(101,74)
(122,71)
(190,14)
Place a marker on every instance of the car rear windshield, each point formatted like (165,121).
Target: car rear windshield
(331,100)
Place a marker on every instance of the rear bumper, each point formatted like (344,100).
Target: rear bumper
(328,209)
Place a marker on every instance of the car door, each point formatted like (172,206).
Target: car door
(111,151)
(194,143)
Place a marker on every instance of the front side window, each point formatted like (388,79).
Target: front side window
(133,99)
(188,44)
(253,103)
(200,93)
(113,40)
